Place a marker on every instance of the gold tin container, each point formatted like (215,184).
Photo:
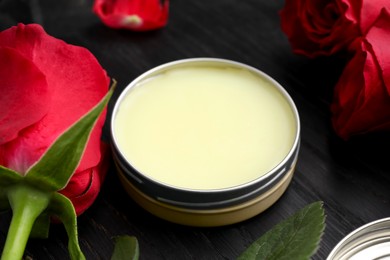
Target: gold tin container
(209,206)
(370,241)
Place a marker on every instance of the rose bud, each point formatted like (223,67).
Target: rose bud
(136,15)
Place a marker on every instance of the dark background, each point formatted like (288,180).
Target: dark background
(352,177)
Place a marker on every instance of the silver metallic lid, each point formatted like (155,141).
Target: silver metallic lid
(371,241)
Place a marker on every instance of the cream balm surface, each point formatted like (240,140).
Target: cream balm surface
(204,128)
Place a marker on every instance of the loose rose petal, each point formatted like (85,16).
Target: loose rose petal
(24,94)
(136,15)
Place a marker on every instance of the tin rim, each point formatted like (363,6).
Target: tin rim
(370,241)
(205,198)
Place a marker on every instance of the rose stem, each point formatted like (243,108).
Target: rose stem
(27,204)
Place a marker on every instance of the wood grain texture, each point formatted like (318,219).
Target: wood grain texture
(352,178)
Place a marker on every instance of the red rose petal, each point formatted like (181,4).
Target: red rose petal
(77,82)
(361,103)
(370,11)
(379,39)
(84,186)
(24,94)
(348,92)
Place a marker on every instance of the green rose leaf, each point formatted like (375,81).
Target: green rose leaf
(297,237)
(54,169)
(126,248)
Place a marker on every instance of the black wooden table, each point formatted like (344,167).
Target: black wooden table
(352,178)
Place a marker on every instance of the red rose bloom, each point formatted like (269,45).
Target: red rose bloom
(46,85)
(137,15)
(361,99)
(325,27)
(362,95)
(321,27)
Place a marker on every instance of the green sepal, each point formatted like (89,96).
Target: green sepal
(41,226)
(126,248)
(297,237)
(63,208)
(8,177)
(54,169)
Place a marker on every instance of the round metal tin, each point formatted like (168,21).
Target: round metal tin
(371,241)
(212,207)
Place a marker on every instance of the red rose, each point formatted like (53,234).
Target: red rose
(362,95)
(322,27)
(325,27)
(137,15)
(46,85)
